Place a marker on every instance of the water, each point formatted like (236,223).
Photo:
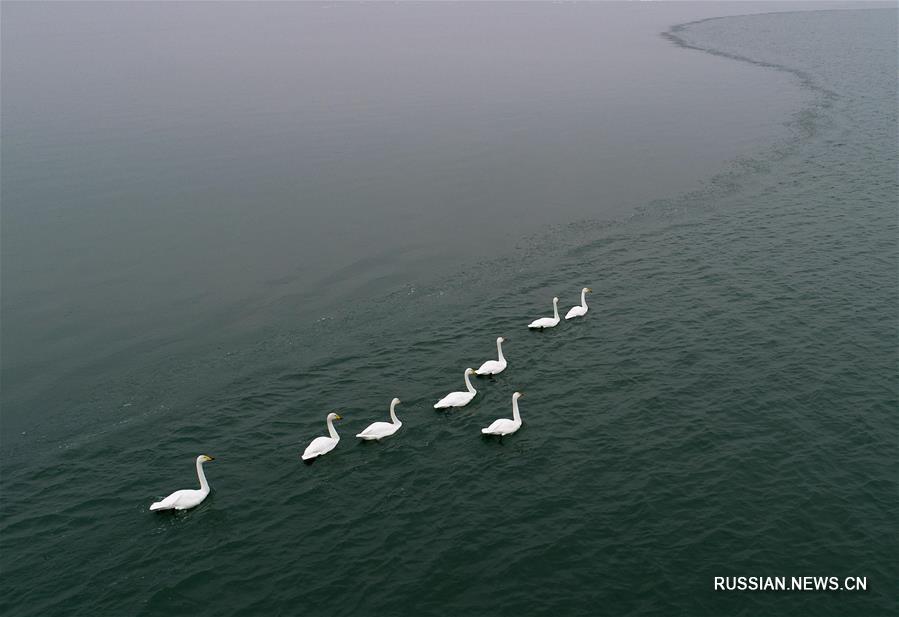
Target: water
(727,407)
(197,191)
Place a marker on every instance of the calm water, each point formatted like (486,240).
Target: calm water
(192,266)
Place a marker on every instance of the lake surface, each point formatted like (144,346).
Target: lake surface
(222,221)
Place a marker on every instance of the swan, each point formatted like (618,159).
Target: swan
(505,426)
(458,399)
(547,322)
(494,367)
(581,309)
(187,498)
(323,445)
(379,430)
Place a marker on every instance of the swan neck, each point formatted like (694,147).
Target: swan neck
(468,384)
(204,485)
(584,299)
(331,432)
(556,311)
(499,350)
(515,414)
(393,417)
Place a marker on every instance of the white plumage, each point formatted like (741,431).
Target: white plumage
(547,322)
(187,498)
(322,445)
(458,399)
(495,367)
(505,426)
(380,430)
(581,309)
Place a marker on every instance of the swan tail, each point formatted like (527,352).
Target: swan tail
(168,503)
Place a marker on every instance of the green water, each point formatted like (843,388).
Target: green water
(727,407)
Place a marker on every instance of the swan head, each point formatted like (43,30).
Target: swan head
(555,300)
(333,416)
(517,396)
(500,339)
(587,290)
(469,371)
(203,458)
(395,401)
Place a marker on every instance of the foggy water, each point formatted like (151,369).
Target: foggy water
(176,177)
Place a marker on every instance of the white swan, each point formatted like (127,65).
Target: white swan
(458,399)
(323,445)
(187,498)
(581,309)
(505,426)
(380,430)
(548,322)
(494,367)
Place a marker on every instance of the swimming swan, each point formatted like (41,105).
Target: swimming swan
(505,426)
(547,322)
(494,367)
(581,309)
(323,445)
(380,430)
(458,399)
(187,498)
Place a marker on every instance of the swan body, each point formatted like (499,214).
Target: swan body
(322,445)
(380,430)
(547,322)
(505,426)
(494,367)
(581,309)
(187,498)
(458,399)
